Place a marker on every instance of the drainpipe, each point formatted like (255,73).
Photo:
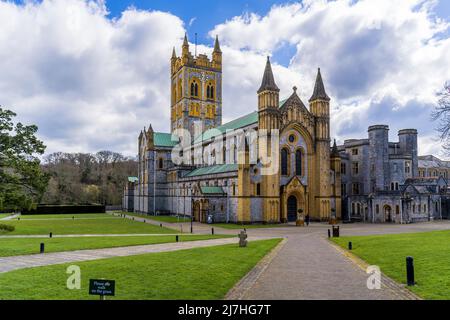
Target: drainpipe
(154,183)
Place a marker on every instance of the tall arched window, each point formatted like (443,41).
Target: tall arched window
(211,92)
(298,162)
(208,93)
(192,89)
(284,162)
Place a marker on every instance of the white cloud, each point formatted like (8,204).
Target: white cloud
(92,83)
(88,82)
(379,57)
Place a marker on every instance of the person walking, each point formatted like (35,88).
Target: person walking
(307,219)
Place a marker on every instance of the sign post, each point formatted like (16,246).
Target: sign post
(102,288)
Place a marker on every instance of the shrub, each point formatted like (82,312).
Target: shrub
(7,228)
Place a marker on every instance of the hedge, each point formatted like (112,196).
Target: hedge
(66,209)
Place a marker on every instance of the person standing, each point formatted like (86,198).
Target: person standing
(307,219)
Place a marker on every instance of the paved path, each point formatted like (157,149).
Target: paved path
(10,217)
(310,267)
(307,267)
(37,260)
(27,236)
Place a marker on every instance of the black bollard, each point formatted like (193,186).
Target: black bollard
(160,225)
(145,221)
(350,246)
(410,271)
(42,248)
(50,235)
(18,218)
(73,217)
(212,231)
(176,238)
(329,233)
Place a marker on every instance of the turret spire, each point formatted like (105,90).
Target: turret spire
(319,89)
(217,45)
(174,54)
(185,41)
(268,81)
(334,150)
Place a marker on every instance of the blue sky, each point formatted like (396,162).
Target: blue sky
(92,81)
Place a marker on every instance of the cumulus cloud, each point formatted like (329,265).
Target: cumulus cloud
(91,82)
(382,61)
(88,82)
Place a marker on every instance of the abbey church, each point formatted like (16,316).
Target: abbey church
(229,184)
(276,163)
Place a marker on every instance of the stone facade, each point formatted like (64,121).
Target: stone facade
(382,180)
(233,184)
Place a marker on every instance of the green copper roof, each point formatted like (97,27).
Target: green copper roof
(238,123)
(220,168)
(212,190)
(282,102)
(133,179)
(163,140)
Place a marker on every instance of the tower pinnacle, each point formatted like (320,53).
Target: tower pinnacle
(268,81)
(319,89)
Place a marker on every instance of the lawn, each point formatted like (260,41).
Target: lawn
(248,226)
(21,246)
(202,273)
(430,251)
(110,225)
(169,219)
(65,216)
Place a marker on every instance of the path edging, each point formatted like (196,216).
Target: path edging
(396,288)
(240,289)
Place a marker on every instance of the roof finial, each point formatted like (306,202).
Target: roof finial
(295,89)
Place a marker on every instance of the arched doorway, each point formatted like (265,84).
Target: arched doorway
(292,209)
(387,214)
(196,210)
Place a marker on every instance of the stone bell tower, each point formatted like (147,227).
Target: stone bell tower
(196,89)
(320,107)
(269,121)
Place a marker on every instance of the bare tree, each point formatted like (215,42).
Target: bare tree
(441,114)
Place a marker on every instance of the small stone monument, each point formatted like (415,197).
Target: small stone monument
(242,239)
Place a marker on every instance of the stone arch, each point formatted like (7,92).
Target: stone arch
(387,210)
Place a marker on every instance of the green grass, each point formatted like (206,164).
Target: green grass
(430,251)
(169,219)
(4,215)
(248,226)
(202,273)
(111,225)
(65,216)
(22,246)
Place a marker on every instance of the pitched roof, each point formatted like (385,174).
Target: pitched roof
(294,99)
(216,169)
(319,89)
(238,123)
(268,82)
(212,190)
(161,139)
